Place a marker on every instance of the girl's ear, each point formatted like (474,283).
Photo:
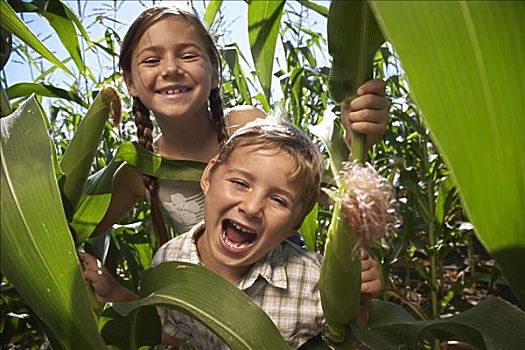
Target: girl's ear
(129,84)
(206,175)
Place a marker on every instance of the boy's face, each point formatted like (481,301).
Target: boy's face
(252,204)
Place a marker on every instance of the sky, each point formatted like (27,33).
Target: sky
(234,11)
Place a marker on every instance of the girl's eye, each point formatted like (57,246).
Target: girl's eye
(189,56)
(151,61)
(280,201)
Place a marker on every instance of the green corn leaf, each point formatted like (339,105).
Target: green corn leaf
(61,18)
(320,9)
(60,8)
(6,45)
(263,100)
(443,200)
(13,24)
(63,21)
(141,327)
(493,324)
(5,105)
(41,89)
(211,12)
(231,56)
(464,62)
(152,164)
(217,303)
(309,227)
(37,251)
(94,201)
(264,19)
(79,155)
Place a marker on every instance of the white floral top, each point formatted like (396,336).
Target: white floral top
(182,203)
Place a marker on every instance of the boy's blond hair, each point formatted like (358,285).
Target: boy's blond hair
(275,133)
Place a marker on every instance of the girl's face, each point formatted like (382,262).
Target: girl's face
(171,71)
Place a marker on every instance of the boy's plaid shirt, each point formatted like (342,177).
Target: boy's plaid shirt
(285,284)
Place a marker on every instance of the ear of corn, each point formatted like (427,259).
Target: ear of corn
(340,281)
(353,39)
(78,157)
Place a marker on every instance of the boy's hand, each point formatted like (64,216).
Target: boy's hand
(368,112)
(105,286)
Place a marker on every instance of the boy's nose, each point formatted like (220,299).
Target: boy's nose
(252,206)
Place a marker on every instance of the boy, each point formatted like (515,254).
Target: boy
(258,189)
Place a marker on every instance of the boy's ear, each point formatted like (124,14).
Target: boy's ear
(129,84)
(298,226)
(205,178)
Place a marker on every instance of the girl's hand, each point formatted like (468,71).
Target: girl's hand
(368,112)
(370,278)
(105,286)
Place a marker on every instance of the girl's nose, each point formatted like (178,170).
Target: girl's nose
(171,67)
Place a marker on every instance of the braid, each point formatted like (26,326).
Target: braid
(145,136)
(217,114)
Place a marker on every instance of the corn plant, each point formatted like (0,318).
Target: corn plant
(431,194)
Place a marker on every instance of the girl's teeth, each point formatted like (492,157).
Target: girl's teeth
(176,91)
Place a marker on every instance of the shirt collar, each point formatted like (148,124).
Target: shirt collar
(271,267)
(191,249)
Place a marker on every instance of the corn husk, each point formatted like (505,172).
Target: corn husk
(353,39)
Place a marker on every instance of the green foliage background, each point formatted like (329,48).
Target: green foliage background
(432,264)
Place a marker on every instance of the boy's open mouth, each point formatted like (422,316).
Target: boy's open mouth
(236,237)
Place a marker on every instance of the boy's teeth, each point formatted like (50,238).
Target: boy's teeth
(245,230)
(236,236)
(236,245)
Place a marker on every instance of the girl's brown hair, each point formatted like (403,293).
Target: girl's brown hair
(143,121)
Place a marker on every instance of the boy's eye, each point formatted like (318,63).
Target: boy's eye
(239,183)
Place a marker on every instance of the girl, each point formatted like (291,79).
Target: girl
(171,68)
